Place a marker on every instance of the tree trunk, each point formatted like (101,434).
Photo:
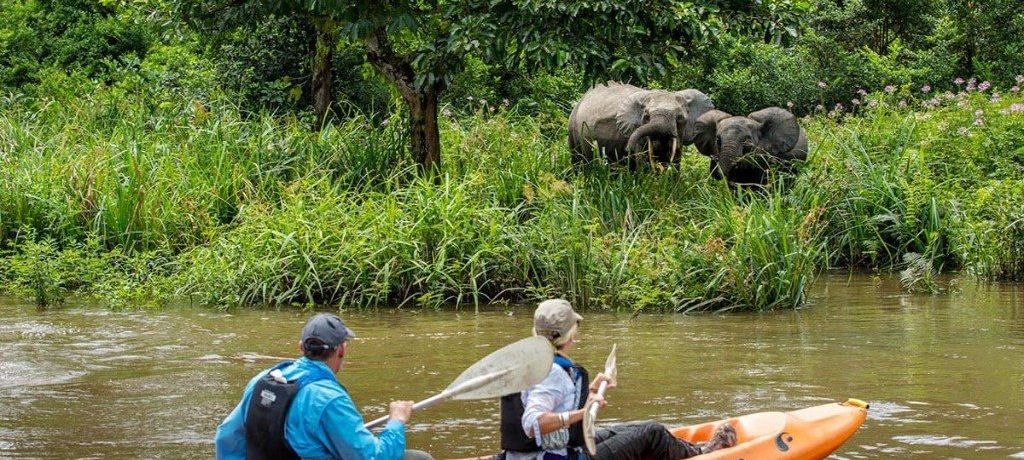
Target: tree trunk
(422,101)
(963,10)
(326,33)
(971,39)
(423,129)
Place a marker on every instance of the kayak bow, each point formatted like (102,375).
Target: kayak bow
(806,434)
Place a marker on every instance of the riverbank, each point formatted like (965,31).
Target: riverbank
(137,202)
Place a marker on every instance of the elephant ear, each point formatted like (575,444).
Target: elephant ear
(779,130)
(706,130)
(697,103)
(630,115)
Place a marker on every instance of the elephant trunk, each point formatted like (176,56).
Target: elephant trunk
(659,126)
(689,134)
(728,154)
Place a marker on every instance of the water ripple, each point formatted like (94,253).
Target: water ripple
(950,441)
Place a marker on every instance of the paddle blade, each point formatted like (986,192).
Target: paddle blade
(517,367)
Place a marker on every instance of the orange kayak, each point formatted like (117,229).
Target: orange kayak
(805,434)
(809,433)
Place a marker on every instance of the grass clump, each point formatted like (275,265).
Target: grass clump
(426,244)
(50,275)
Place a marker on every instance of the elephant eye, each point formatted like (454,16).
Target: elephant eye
(647,118)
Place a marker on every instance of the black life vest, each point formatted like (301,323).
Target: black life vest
(512,436)
(268,410)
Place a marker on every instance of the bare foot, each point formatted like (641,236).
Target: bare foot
(723,437)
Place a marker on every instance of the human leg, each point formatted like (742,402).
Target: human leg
(641,440)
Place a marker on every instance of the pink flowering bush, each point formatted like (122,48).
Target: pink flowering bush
(913,167)
(894,96)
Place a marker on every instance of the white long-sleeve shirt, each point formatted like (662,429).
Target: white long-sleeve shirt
(556,393)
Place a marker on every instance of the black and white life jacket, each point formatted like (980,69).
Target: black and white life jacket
(512,436)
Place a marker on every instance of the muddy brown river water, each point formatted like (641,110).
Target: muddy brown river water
(944,374)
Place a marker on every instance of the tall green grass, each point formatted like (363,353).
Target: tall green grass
(196,200)
(144,181)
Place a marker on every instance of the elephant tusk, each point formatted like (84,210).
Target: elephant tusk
(672,157)
(650,153)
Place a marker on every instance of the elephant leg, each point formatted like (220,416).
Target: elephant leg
(748,175)
(580,156)
(581,151)
(716,172)
(759,176)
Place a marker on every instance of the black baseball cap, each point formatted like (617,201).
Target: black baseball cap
(325,331)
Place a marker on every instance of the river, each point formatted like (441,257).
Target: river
(944,374)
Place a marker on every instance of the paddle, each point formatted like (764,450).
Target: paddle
(590,416)
(509,369)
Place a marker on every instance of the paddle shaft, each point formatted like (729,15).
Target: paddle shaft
(600,392)
(447,394)
(444,395)
(590,416)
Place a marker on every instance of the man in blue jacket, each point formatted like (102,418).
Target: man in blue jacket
(297,409)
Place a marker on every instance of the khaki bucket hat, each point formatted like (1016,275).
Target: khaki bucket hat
(555,320)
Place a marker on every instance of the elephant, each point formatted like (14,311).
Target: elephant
(743,149)
(629,123)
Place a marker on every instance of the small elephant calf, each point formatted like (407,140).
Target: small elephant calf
(743,149)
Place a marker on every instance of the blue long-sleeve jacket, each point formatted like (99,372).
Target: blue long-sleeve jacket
(322,423)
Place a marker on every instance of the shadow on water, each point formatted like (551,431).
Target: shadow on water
(943,373)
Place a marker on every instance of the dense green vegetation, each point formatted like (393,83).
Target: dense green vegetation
(138,204)
(143,162)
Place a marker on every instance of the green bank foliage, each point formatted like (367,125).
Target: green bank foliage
(144,160)
(138,204)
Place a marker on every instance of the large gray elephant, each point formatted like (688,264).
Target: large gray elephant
(743,149)
(628,123)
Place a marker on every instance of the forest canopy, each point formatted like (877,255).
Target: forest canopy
(322,59)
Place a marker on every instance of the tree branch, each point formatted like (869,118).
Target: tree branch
(382,55)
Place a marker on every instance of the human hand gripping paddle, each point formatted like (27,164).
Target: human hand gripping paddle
(509,369)
(590,416)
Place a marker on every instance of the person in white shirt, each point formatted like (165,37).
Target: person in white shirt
(544,422)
